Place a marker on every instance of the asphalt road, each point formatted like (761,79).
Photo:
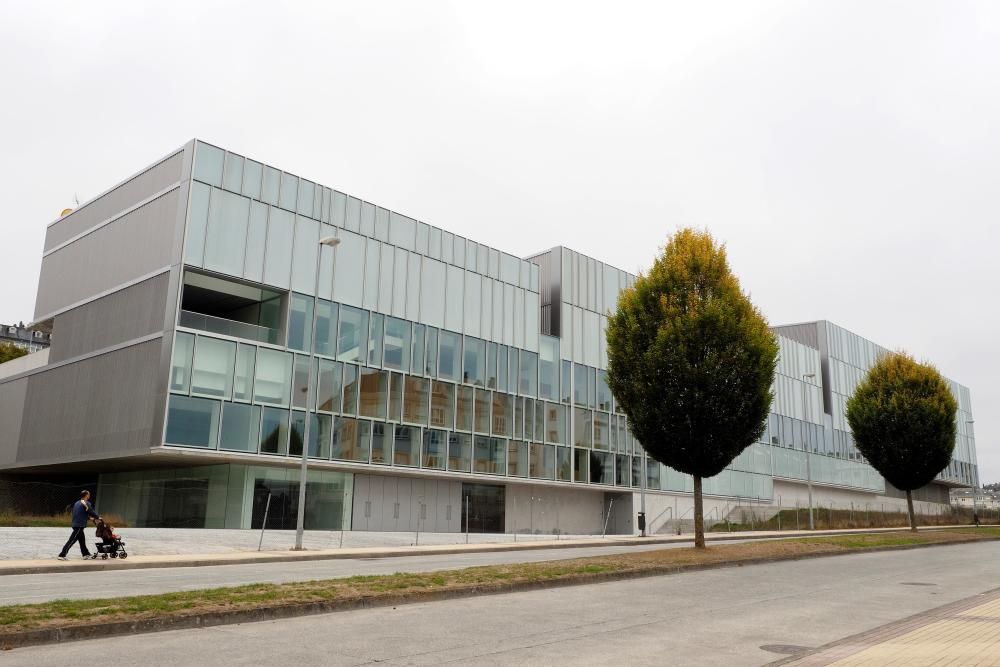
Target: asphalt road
(715,617)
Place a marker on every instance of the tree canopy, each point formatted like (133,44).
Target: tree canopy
(9,351)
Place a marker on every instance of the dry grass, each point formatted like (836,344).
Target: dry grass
(64,613)
(837,519)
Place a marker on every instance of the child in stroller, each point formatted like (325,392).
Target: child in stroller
(111,544)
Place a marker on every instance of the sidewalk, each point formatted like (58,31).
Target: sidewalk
(232,556)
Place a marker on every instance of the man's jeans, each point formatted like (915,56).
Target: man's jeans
(75,536)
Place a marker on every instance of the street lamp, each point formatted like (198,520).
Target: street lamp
(809,479)
(974,485)
(329,241)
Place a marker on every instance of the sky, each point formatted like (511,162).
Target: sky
(847,153)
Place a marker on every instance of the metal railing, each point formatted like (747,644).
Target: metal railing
(226,327)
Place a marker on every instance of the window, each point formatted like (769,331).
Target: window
(464,411)
(482,411)
(300,382)
(449,362)
(435,449)
(564,464)
(326,328)
(582,428)
(622,469)
(543,462)
(329,388)
(415,399)
(460,452)
(491,365)
(225,240)
(180,364)
(529,374)
(375,340)
(406,446)
(213,367)
(296,433)
(374,393)
(208,165)
(240,427)
(417,355)
(517,459)
(502,362)
(349,443)
(548,368)
(271,185)
(442,404)
(381,442)
(579,384)
(272,377)
(353,334)
(289,190)
(602,437)
(396,397)
(502,414)
(397,345)
(489,455)
(581,465)
(430,363)
(243,381)
(319,436)
(603,392)
(350,389)
(565,385)
(278,251)
(274,431)
(474,365)
(193,422)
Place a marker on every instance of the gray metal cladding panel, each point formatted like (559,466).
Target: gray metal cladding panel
(807,334)
(98,406)
(133,246)
(128,194)
(11,407)
(122,316)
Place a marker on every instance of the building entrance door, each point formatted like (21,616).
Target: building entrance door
(485,508)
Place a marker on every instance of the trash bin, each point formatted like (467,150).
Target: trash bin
(642,522)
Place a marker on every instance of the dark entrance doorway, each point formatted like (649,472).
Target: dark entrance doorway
(485,508)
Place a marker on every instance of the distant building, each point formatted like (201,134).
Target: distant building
(23,337)
(977,498)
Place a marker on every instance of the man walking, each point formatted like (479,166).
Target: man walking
(82,510)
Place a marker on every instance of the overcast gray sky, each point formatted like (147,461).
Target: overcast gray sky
(848,153)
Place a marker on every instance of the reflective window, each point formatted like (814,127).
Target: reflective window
(381,442)
(397,344)
(319,436)
(274,431)
(517,459)
(602,438)
(326,328)
(180,363)
(502,368)
(460,452)
(464,411)
(582,429)
(449,361)
(406,446)
(543,462)
(442,404)
(435,452)
(350,406)
(330,387)
(474,364)
(602,468)
(529,373)
(502,414)
(482,411)
(192,422)
(415,399)
(278,252)
(304,251)
(212,370)
(395,397)
(491,365)
(579,384)
(581,465)
(252,173)
(272,377)
(453,298)
(271,185)
(565,384)
(375,340)
(352,341)
(299,321)
(430,363)
(208,164)
(307,195)
(289,189)
(348,267)
(194,243)
(225,241)
(253,264)
(240,427)
(243,381)
(539,434)
(636,471)
(555,423)
(564,464)
(296,433)
(349,443)
(300,382)
(592,387)
(489,455)
(548,368)
(622,469)
(418,348)
(374,393)
(603,392)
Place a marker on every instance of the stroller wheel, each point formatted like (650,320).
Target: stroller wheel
(104,556)
(93,556)
(114,554)
(124,555)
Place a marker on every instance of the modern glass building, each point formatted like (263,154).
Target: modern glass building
(452,385)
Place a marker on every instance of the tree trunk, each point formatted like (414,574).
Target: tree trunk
(909,507)
(699,519)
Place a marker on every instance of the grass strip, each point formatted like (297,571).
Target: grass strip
(16,619)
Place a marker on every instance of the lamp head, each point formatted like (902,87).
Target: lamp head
(331,241)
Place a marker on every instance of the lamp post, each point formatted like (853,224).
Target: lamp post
(809,478)
(974,485)
(300,521)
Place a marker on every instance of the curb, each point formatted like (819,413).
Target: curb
(248,558)
(24,638)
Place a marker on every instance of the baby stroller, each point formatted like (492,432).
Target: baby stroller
(111,544)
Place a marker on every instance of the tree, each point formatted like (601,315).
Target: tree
(9,351)
(902,416)
(691,361)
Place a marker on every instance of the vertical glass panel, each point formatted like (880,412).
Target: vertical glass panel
(603,391)
(194,244)
(367,219)
(543,462)
(489,455)
(225,241)
(539,434)
(432,293)
(289,189)
(272,183)
(240,427)
(449,362)
(581,465)
(579,384)
(491,365)
(415,399)
(385,280)
(514,372)
(374,393)
(528,418)
(274,431)
(464,410)
(300,382)
(304,255)
(435,452)
(565,384)
(517,459)
(243,382)
(253,264)
(212,371)
(296,433)
(400,275)
(460,452)
(348,268)
(482,411)
(375,340)
(180,363)
(418,348)
(192,422)
(636,471)
(529,373)
(406,446)
(453,297)
(397,344)
(208,164)
(352,341)
(472,310)
(602,438)
(518,417)
(459,251)
(555,423)
(307,196)
(353,221)
(431,361)
(395,397)
(653,475)
(252,173)
(330,388)
(582,428)
(622,470)
(564,464)
(299,321)
(442,404)
(278,254)
(373,255)
(381,443)
(474,365)
(319,436)
(272,377)
(349,443)
(350,404)
(503,423)
(414,270)
(339,213)
(233,177)
(326,328)
(592,387)
(548,368)
(602,469)
(502,364)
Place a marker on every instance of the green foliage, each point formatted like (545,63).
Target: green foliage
(9,351)
(902,416)
(690,359)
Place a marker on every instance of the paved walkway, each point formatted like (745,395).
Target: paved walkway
(963,633)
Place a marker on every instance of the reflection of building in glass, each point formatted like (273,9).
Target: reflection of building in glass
(453,384)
